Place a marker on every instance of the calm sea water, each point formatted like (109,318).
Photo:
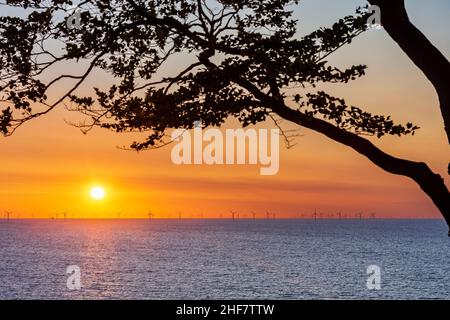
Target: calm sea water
(218,259)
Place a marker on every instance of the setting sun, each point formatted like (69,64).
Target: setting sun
(97,193)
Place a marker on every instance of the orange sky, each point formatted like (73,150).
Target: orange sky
(47,166)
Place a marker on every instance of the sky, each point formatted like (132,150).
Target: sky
(48,166)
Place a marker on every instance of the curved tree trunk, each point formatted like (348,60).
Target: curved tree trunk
(419,49)
(431,183)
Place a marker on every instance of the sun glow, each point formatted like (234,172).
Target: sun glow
(97,193)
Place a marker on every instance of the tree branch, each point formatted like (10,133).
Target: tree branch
(419,49)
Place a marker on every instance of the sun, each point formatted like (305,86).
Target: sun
(97,193)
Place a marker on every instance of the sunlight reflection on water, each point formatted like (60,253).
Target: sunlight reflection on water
(195,259)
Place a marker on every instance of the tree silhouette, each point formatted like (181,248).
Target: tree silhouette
(243,60)
(420,50)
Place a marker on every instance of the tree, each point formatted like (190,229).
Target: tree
(244,61)
(420,50)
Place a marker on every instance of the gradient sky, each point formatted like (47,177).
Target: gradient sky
(48,166)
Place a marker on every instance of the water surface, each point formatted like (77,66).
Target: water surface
(222,259)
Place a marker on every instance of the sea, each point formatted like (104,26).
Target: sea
(224,259)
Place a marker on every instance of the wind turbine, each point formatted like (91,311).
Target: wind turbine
(233,215)
(150,214)
(179,213)
(253,215)
(8,215)
(315,215)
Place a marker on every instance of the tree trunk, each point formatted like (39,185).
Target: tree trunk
(432,184)
(419,49)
